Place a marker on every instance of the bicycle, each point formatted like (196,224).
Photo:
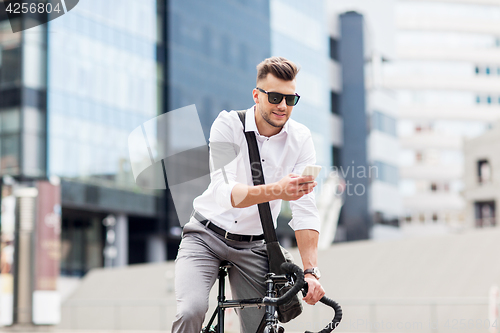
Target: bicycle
(294,276)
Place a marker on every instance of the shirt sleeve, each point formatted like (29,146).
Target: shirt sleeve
(223,160)
(304,211)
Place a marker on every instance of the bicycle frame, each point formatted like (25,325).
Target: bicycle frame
(270,323)
(270,319)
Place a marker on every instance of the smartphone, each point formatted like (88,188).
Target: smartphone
(311,170)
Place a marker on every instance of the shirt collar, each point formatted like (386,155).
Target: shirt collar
(250,124)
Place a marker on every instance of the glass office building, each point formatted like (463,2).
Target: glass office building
(102,82)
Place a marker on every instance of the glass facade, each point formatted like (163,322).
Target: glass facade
(102,83)
(213,51)
(298,32)
(22,100)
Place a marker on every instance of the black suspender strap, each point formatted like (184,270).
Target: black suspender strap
(258,179)
(275,255)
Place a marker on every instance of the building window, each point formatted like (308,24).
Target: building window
(488,99)
(477,70)
(386,173)
(488,71)
(478,99)
(384,123)
(334,102)
(334,49)
(408,218)
(434,187)
(485,214)
(421,217)
(336,157)
(483,172)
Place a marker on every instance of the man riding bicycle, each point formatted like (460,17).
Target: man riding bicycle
(226,226)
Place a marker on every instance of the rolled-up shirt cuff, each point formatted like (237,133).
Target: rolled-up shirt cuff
(303,223)
(223,195)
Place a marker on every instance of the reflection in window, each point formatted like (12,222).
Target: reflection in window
(9,148)
(10,74)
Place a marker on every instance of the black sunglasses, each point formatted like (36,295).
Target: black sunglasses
(276,98)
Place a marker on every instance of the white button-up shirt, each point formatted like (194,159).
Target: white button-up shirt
(289,151)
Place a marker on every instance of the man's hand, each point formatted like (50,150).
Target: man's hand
(293,187)
(315,291)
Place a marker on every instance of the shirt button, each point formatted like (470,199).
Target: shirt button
(235,221)
(263,160)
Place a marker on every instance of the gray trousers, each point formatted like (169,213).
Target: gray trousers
(200,253)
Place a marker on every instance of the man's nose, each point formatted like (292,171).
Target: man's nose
(282,104)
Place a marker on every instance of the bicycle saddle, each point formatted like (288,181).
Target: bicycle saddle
(225,264)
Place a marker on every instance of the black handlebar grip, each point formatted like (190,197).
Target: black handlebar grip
(291,268)
(288,268)
(336,319)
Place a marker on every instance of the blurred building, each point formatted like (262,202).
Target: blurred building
(299,32)
(448,82)
(367,155)
(482,181)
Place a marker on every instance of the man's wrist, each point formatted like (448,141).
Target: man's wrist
(274,191)
(314,271)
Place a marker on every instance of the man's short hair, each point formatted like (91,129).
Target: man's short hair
(280,67)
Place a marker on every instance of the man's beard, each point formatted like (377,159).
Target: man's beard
(268,119)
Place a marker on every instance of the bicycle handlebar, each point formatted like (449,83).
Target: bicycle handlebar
(336,319)
(288,268)
(299,284)
(336,308)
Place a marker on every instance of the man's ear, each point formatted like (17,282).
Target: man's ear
(255,93)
